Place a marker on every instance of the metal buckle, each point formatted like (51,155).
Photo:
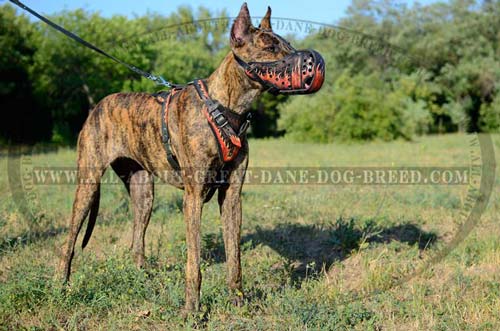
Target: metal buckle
(244,128)
(219,118)
(164,134)
(212,105)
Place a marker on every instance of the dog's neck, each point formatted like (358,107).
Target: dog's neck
(229,85)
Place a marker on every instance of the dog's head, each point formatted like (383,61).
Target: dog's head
(270,60)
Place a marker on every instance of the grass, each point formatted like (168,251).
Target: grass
(315,257)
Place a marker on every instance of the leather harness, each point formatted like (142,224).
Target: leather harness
(227,126)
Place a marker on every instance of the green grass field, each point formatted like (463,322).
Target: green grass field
(315,257)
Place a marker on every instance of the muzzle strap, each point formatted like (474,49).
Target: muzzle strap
(250,72)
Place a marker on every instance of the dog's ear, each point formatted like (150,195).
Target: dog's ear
(240,31)
(266,20)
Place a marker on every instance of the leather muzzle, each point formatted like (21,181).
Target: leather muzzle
(302,72)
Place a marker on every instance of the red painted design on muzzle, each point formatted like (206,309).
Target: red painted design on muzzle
(301,72)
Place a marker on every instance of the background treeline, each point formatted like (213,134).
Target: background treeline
(443,76)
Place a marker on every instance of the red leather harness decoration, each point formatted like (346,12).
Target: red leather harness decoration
(228,139)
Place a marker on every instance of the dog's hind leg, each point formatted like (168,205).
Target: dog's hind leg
(142,196)
(124,168)
(86,194)
(139,185)
(94,210)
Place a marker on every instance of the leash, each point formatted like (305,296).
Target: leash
(155,78)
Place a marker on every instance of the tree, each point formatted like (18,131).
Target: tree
(23,119)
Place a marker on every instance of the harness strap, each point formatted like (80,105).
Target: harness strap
(165,135)
(221,122)
(228,140)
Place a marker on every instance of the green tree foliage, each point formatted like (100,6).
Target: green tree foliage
(22,118)
(440,73)
(357,107)
(70,78)
(265,115)
(445,78)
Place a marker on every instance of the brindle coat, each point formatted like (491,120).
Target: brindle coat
(124,132)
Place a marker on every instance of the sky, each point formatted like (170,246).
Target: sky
(323,11)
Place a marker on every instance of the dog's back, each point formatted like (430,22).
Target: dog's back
(119,126)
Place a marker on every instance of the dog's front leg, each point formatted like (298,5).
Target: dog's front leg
(230,209)
(192,205)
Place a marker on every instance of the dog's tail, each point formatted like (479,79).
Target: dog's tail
(94,209)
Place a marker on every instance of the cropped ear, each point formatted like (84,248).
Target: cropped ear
(266,20)
(240,31)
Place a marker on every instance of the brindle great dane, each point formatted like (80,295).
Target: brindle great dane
(124,131)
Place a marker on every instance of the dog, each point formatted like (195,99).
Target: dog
(200,126)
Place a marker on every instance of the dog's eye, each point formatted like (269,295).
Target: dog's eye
(271,49)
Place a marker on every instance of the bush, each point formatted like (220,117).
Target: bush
(355,108)
(490,116)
